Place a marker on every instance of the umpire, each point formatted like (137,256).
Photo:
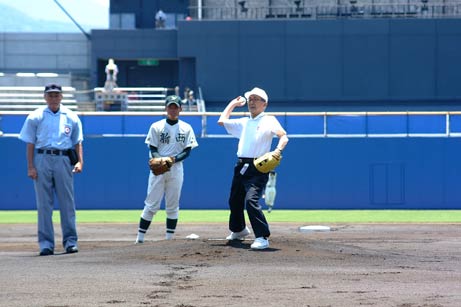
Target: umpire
(255,134)
(51,132)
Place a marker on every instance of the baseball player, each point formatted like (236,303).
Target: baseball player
(270,192)
(169,139)
(255,134)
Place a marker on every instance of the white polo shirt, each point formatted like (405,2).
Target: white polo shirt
(255,134)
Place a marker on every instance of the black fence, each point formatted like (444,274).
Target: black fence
(421,9)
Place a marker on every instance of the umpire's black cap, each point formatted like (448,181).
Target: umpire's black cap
(173,99)
(53,88)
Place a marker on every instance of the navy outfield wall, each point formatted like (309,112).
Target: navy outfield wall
(347,60)
(316,173)
(327,60)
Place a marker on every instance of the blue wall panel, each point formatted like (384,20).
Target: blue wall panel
(218,59)
(388,124)
(11,123)
(346,124)
(412,63)
(139,124)
(305,125)
(365,59)
(102,125)
(338,173)
(213,127)
(448,57)
(316,72)
(378,184)
(254,37)
(455,123)
(427,124)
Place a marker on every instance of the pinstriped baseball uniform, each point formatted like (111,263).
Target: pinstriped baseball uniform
(170,141)
(175,139)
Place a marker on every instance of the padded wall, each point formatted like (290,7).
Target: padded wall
(316,173)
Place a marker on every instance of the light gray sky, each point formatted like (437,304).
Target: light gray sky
(88,12)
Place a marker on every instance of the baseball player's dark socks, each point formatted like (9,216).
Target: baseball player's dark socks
(170,227)
(143,226)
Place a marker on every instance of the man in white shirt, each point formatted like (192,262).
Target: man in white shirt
(255,134)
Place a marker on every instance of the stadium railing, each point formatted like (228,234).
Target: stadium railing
(28,98)
(139,99)
(297,124)
(355,9)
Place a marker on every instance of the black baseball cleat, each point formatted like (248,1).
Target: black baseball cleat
(46,252)
(71,249)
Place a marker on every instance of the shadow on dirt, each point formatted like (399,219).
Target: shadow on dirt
(244,245)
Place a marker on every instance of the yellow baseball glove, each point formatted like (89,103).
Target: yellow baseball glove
(268,161)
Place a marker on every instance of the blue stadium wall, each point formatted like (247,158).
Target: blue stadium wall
(369,61)
(353,172)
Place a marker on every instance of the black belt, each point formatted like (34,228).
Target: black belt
(55,152)
(246,160)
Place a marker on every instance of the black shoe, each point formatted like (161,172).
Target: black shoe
(71,249)
(46,252)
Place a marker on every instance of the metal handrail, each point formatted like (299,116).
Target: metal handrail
(413,9)
(449,131)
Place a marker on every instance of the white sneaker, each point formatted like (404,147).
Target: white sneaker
(260,243)
(239,235)
(169,236)
(138,241)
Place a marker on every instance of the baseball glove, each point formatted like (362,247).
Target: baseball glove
(160,165)
(267,162)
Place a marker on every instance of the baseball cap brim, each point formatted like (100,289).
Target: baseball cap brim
(258,92)
(173,99)
(53,88)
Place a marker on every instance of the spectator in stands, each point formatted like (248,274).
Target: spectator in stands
(133,96)
(186,94)
(160,18)
(190,101)
(54,152)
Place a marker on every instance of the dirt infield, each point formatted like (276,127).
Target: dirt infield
(352,265)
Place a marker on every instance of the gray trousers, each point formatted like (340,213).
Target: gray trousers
(55,178)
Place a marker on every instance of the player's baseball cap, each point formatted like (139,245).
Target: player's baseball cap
(53,88)
(173,99)
(258,92)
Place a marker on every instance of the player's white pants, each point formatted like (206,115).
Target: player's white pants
(169,185)
(270,193)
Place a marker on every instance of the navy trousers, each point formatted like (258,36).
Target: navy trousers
(247,187)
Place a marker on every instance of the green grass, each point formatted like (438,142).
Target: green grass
(221,216)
